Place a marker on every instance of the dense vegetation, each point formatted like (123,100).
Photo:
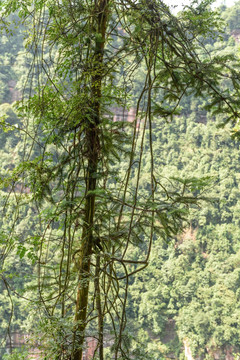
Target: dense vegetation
(189,293)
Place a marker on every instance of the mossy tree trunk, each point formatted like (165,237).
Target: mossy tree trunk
(93,155)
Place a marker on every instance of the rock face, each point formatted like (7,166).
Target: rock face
(236,35)
(121,114)
(217,354)
(91,346)
(15,95)
(188,353)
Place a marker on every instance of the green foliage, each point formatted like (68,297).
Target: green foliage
(198,276)
(146,183)
(17,354)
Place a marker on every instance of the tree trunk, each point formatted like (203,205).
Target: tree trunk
(93,154)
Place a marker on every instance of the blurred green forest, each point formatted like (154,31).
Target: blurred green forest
(188,296)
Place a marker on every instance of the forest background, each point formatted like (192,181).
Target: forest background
(188,296)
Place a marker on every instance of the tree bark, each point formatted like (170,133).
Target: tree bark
(93,155)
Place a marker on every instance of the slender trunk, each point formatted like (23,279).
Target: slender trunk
(93,154)
(99,309)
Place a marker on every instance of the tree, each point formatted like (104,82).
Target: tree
(92,213)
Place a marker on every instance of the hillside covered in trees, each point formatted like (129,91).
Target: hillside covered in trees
(185,303)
